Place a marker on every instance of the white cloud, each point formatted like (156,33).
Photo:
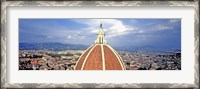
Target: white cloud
(49,37)
(119,27)
(112,27)
(163,27)
(140,31)
(173,20)
(69,37)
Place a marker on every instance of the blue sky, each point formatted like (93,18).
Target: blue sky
(121,32)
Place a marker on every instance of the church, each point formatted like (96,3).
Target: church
(100,56)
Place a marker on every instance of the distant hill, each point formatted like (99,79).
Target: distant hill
(51,46)
(66,46)
(149,48)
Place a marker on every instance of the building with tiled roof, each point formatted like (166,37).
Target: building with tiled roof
(100,56)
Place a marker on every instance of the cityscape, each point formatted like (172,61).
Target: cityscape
(66,60)
(100,44)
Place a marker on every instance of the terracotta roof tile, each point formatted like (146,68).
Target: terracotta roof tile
(94,60)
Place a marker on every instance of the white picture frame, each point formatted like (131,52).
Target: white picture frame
(90,4)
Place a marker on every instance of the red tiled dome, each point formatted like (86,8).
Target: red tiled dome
(100,57)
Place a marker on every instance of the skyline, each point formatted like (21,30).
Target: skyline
(161,33)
